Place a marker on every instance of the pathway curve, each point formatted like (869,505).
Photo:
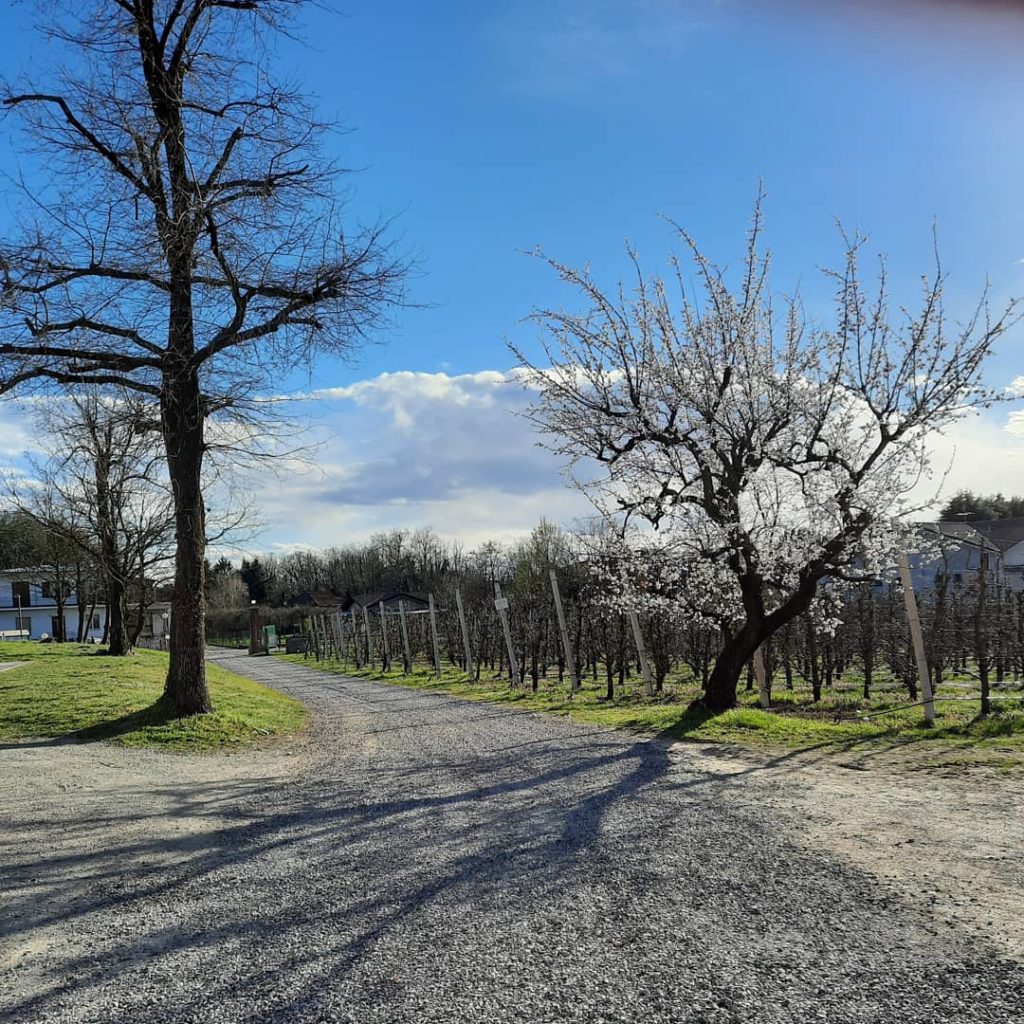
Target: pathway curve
(424,859)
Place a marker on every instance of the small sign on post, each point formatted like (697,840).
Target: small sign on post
(501,606)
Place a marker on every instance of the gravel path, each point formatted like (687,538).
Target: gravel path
(423,859)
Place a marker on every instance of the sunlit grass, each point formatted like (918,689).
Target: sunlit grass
(839,721)
(78,692)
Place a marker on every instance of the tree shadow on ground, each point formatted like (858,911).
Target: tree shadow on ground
(157,713)
(393,867)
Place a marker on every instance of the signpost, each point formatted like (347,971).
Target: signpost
(501,606)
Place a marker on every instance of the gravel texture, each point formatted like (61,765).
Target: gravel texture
(423,859)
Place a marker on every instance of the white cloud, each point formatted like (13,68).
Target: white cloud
(453,452)
(982,453)
(415,449)
(17,437)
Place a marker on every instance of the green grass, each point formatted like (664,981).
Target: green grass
(78,692)
(960,737)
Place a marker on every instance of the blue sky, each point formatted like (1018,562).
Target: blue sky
(488,129)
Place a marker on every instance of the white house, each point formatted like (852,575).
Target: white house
(28,609)
(1008,536)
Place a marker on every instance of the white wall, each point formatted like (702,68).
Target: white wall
(40,621)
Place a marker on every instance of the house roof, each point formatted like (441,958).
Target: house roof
(1004,533)
(389,597)
(964,532)
(318,599)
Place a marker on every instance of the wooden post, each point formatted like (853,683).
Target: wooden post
(501,605)
(407,653)
(385,646)
(369,637)
(314,642)
(343,636)
(641,650)
(433,633)
(570,660)
(465,633)
(917,638)
(357,657)
(762,678)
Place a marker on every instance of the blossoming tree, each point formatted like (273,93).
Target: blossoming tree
(746,453)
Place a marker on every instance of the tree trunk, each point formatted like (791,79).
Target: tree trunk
(117,618)
(739,647)
(79,598)
(61,631)
(185,690)
(720,690)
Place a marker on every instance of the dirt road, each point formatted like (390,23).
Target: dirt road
(422,859)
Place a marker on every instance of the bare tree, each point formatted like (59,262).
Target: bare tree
(766,452)
(183,241)
(104,488)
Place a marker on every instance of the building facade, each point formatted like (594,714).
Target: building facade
(29,611)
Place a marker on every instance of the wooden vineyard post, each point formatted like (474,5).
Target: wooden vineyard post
(433,634)
(315,640)
(641,650)
(406,652)
(355,641)
(570,660)
(501,606)
(332,638)
(385,646)
(762,678)
(343,636)
(917,638)
(465,633)
(369,637)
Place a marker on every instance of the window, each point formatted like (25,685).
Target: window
(47,590)
(23,622)
(20,595)
(96,621)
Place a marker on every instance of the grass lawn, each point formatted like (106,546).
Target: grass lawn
(74,691)
(960,738)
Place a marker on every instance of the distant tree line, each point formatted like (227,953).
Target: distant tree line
(966,506)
